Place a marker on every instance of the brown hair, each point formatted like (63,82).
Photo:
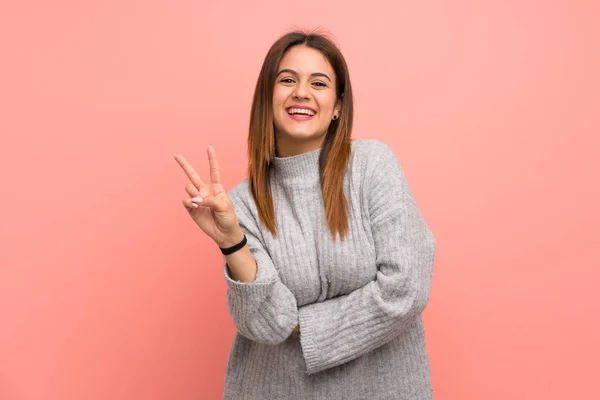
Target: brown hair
(335,151)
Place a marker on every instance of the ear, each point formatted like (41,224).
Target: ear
(338,106)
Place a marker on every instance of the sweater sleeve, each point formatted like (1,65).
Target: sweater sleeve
(341,329)
(264,310)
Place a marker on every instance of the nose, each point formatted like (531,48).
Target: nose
(301,92)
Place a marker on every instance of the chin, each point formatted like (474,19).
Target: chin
(302,133)
(301,136)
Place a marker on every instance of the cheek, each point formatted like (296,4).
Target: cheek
(278,98)
(326,109)
(327,105)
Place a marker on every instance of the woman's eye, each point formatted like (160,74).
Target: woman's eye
(321,84)
(287,80)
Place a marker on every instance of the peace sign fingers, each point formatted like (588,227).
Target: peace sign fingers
(208,203)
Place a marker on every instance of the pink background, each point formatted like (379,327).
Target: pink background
(109,291)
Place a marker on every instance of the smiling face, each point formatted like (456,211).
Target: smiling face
(304,101)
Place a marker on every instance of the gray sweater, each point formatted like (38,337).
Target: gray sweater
(358,301)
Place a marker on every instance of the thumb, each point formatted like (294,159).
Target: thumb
(218,203)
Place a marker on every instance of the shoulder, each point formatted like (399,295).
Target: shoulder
(369,145)
(370,150)
(368,155)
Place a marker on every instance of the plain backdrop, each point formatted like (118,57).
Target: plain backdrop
(108,290)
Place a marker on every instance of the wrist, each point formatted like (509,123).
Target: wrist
(232,240)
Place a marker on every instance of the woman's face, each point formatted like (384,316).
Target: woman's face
(304,101)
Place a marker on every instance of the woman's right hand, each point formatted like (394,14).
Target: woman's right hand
(208,204)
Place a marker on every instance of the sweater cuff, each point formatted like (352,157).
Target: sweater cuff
(307,339)
(261,286)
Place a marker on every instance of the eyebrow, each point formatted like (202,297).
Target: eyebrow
(291,71)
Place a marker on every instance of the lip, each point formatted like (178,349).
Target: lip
(300,117)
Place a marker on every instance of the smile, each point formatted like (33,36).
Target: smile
(300,111)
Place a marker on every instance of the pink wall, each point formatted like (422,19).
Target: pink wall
(109,291)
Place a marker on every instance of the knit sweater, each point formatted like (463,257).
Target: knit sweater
(358,301)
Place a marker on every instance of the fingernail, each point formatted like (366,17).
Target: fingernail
(197,199)
(194,205)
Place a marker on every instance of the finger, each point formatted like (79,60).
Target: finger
(215,174)
(192,190)
(189,171)
(189,205)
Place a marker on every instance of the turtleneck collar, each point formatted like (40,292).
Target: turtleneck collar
(305,165)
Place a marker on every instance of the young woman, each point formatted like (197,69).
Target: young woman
(328,260)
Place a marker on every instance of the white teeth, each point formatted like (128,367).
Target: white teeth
(300,111)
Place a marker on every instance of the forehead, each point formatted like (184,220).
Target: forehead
(306,60)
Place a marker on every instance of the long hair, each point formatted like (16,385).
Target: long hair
(336,148)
